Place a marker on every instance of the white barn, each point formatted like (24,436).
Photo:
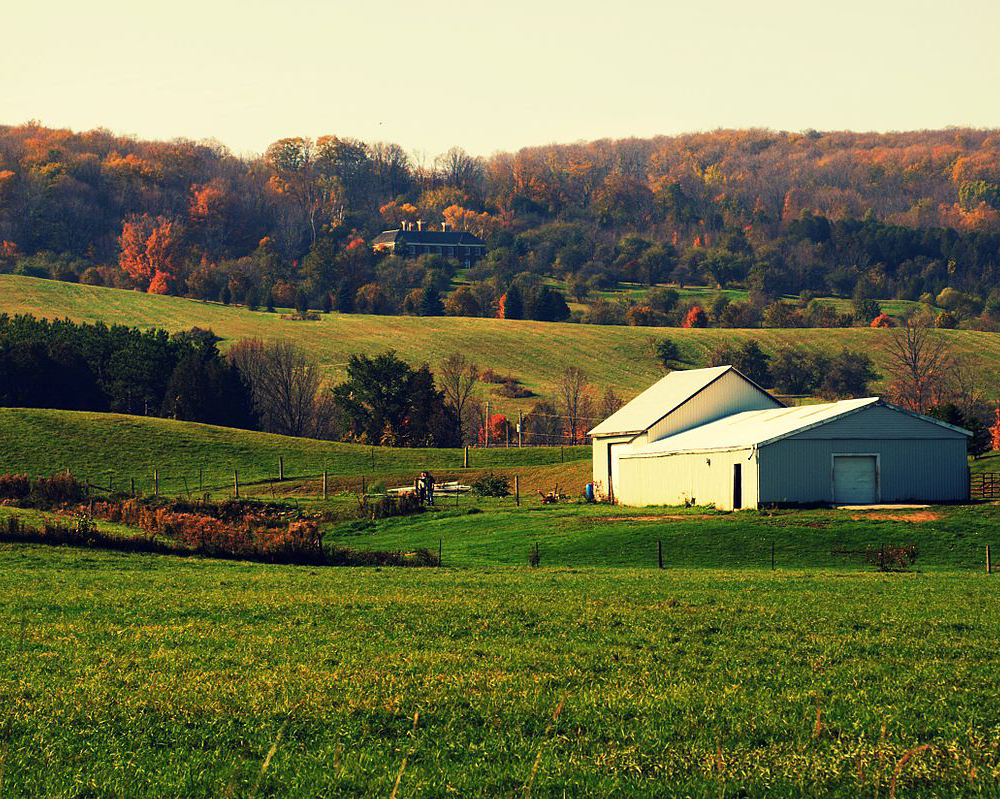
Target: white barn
(712,436)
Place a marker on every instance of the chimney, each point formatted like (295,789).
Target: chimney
(420,225)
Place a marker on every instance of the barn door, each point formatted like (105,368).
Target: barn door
(855,479)
(737,486)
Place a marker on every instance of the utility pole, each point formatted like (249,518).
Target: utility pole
(520,425)
(487,424)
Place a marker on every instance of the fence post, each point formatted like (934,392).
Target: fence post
(236,483)
(520,426)
(517,491)
(659,554)
(562,454)
(156,482)
(465,462)
(989,562)
(487,424)
(324,484)
(281,468)
(132,484)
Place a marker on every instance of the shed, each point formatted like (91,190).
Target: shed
(680,401)
(856,451)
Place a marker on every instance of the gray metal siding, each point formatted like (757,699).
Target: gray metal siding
(881,422)
(799,469)
(600,471)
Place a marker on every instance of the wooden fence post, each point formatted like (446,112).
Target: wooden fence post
(132,486)
(465,462)
(236,483)
(281,468)
(517,490)
(324,484)
(659,554)
(989,562)
(520,427)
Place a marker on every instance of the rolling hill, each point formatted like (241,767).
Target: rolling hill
(534,352)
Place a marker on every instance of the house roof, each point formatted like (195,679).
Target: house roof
(757,428)
(660,399)
(439,237)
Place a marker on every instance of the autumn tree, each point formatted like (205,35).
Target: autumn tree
(458,377)
(150,252)
(919,365)
(284,383)
(576,397)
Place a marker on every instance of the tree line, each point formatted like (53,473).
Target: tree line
(866,216)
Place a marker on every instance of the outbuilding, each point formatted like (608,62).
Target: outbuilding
(857,451)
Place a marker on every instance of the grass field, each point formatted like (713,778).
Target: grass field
(535,352)
(101,447)
(159,676)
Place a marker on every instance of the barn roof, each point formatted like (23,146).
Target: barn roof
(660,399)
(757,428)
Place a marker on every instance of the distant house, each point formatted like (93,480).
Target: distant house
(412,240)
(712,436)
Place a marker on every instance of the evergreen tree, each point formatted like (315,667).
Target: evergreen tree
(513,304)
(344,298)
(430,303)
(225,295)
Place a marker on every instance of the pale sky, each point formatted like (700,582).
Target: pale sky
(499,75)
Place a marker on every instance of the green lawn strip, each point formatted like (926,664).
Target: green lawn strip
(574,535)
(143,676)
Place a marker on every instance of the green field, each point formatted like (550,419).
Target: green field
(103,446)
(596,674)
(535,352)
(159,676)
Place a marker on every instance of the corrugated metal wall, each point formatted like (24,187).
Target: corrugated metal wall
(882,422)
(728,395)
(910,469)
(705,478)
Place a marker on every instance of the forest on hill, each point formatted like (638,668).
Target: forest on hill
(912,216)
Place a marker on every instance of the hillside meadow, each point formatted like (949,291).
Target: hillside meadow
(534,352)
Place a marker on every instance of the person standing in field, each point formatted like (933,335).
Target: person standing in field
(429,487)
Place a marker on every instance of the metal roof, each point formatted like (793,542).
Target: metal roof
(757,428)
(663,397)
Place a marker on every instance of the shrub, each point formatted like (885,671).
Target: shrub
(491,485)
(888,558)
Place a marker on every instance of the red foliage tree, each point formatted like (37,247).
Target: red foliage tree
(150,252)
(883,320)
(695,318)
(498,430)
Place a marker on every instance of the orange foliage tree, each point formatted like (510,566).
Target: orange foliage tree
(150,252)
(695,318)
(882,320)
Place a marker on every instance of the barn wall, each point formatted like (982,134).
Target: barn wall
(704,478)
(600,471)
(882,422)
(800,470)
(728,395)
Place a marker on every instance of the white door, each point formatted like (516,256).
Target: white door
(855,479)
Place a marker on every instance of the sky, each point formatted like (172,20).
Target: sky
(498,75)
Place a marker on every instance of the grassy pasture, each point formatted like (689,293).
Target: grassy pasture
(159,676)
(535,352)
(98,446)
